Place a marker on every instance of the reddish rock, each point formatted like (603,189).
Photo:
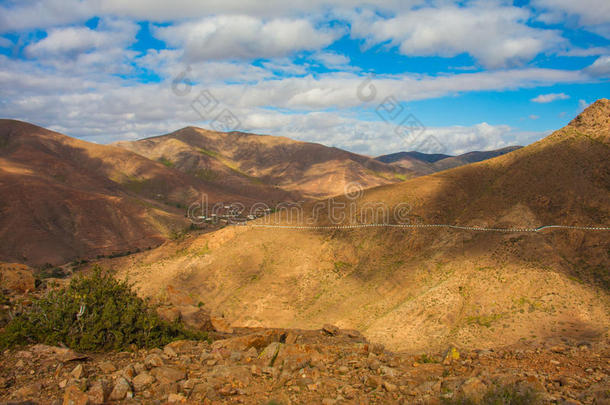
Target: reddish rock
(74,396)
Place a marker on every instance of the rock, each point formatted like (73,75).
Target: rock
(389,386)
(195,318)
(17,277)
(235,357)
(139,368)
(329,329)
(169,351)
(377,348)
(106,367)
(291,338)
(128,372)
(167,375)
(176,398)
(121,390)
(349,392)
(221,325)
(78,372)
(142,381)
(183,346)
(62,354)
(153,360)
(74,396)
(99,392)
(270,353)
(169,314)
(372,381)
(31,390)
(558,349)
(533,383)
(242,343)
(473,389)
(389,371)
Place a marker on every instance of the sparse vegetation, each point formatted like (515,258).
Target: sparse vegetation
(340,266)
(204,174)
(94,313)
(484,320)
(500,395)
(210,153)
(166,162)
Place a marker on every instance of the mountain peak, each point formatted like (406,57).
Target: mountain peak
(594,117)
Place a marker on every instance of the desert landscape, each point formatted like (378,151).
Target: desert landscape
(314,203)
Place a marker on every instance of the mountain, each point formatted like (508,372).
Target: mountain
(423,157)
(265,165)
(423,163)
(62,198)
(425,288)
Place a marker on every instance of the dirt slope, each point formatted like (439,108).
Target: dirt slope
(62,198)
(265,165)
(423,288)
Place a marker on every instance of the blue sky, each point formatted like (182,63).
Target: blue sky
(371,77)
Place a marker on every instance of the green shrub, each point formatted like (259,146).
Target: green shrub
(93,313)
(501,395)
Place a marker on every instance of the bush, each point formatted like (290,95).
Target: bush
(501,395)
(94,313)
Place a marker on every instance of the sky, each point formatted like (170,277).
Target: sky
(372,77)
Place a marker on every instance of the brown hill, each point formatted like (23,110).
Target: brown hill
(249,164)
(62,198)
(419,289)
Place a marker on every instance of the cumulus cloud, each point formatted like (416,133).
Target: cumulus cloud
(547,98)
(600,68)
(591,14)
(69,41)
(244,37)
(332,60)
(497,36)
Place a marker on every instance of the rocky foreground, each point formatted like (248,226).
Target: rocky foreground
(328,366)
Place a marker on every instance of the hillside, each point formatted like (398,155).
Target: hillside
(62,198)
(420,289)
(265,165)
(423,163)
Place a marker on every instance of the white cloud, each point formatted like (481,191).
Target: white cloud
(592,14)
(497,36)
(600,68)
(332,60)
(5,43)
(244,37)
(547,98)
(322,109)
(583,52)
(81,49)
(72,40)
(582,104)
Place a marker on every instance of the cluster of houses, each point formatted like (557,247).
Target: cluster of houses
(232,214)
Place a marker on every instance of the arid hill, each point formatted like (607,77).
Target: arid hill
(420,289)
(424,163)
(62,198)
(250,164)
